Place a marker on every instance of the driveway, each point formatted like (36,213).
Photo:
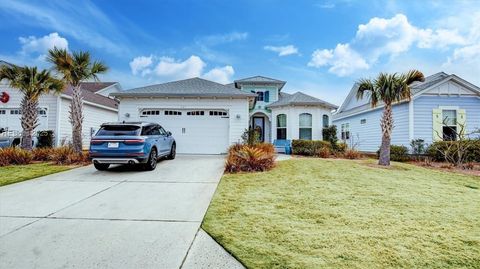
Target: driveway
(85,218)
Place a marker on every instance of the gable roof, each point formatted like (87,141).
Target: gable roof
(417,88)
(300,98)
(90,96)
(259,80)
(2,63)
(96,86)
(192,87)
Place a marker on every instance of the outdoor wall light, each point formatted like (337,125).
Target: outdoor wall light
(238,116)
(127,115)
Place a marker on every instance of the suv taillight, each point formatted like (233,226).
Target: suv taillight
(134,141)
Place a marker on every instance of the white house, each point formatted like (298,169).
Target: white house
(53,110)
(206,117)
(441,98)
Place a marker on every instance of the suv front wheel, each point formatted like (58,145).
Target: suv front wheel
(152,161)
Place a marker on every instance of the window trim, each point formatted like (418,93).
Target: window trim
(325,116)
(282,128)
(300,127)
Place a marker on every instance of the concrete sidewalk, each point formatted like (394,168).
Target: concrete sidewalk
(119,218)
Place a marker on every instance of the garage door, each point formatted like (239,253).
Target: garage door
(10,119)
(196,131)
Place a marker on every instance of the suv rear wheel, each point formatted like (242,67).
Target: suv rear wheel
(101,166)
(152,160)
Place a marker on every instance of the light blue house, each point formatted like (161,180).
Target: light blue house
(439,107)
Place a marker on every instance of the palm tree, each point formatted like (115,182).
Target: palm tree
(388,89)
(75,68)
(32,84)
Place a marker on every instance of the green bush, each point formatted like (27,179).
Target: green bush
(435,150)
(330,134)
(397,153)
(309,147)
(45,139)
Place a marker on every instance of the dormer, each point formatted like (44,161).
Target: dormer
(267,89)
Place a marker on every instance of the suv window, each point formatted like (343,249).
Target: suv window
(118,130)
(162,131)
(147,130)
(155,130)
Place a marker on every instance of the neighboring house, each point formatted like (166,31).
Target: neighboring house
(54,110)
(206,117)
(439,97)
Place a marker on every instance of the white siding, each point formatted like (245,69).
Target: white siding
(235,107)
(293,114)
(93,117)
(48,101)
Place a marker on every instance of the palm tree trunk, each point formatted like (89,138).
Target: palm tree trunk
(387,126)
(76,118)
(29,120)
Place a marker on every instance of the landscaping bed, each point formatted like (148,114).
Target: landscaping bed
(331,213)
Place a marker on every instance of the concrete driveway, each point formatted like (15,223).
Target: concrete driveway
(85,218)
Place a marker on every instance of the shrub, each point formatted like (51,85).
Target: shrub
(418,146)
(66,155)
(341,147)
(309,147)
(330,135)
(45,139)
(323,152)
(247,158)
(14,155)
(439,149)
(251,136)
(352,154)
(42,154)
(397,153)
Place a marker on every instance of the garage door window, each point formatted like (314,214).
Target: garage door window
(150,112)
(172,113)
(218,113)
(15,112)
(2,111)
(195,113)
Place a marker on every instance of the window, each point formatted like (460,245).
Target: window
(217,113)
(260,96)
(156,130)
(325,121)
(195,113)
(118,130)
(282,126)
(162,131)
(150,112)
(363,121)
(15,112)
(345,131)
(449,125)
(172,112)
(147,130)
(2,111)
(305,126)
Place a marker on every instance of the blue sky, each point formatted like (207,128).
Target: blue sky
(319,47)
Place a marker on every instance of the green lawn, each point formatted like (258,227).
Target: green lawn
(16,173)
(314,213)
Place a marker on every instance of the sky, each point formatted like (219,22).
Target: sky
(319,47)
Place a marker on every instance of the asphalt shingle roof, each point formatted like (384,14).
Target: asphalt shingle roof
(96,86)
(259,80)
(299,98)
(429,81)
(192,87)
(93,97)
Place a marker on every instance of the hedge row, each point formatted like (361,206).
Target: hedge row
(472,153)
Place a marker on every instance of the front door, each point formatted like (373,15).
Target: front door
(259,124)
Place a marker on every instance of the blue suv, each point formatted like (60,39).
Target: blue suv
(140,143)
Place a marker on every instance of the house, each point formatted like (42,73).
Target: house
(54,110)
(206,117)
(438,109)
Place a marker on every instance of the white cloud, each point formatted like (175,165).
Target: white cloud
(41,45)
(382,37)
(213,40)
(141,64)
(163,68)
(283,50)
(342,60)
(175,69)
(220,74)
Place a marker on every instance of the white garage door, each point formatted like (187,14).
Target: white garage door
(10,119)
(196,131)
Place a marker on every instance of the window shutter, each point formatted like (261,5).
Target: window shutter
(437,125)
(267,96)
(461,121)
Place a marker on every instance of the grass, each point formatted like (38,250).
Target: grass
(314,213)
(17,173)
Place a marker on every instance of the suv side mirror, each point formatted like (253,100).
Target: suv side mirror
(169,133)
(2,130)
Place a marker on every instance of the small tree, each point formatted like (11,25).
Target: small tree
(388,89)
(251,136)
(33,84)
(456,152)
(75,68)
(330,134)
